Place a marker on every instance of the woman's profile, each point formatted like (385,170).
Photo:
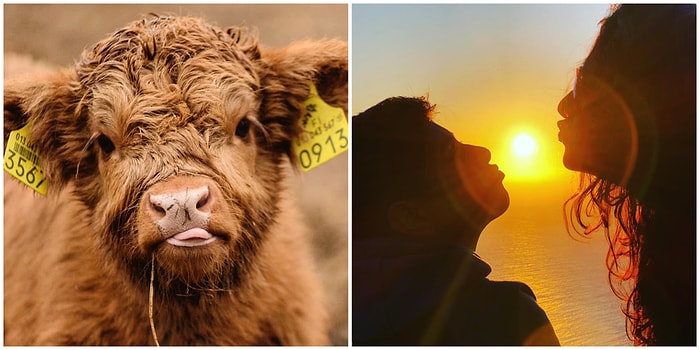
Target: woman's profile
(629,127)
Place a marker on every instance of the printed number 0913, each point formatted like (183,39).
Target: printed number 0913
(307,160)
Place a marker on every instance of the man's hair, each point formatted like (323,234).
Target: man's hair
(393,158)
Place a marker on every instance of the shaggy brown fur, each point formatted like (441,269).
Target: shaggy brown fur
(166,105)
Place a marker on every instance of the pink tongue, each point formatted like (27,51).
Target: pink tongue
(193,234)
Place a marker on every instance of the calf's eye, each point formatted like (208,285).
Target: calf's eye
(243,128)
(105,144)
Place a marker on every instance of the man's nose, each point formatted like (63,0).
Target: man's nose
(565,105)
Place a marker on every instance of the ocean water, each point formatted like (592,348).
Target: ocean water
(529,243)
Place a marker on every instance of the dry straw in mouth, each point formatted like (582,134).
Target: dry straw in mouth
(150,301)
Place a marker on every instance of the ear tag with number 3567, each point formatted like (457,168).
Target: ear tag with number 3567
(325,132)
(22,161)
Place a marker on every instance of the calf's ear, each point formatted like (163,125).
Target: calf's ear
(57,131)
(322,62)
(286,77)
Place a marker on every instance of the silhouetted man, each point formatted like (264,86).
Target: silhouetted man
(420,202)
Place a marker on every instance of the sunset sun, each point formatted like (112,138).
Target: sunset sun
(527,155)
(524,145)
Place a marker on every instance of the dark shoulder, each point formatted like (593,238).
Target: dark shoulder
(514,288)
(516,297)
(503,312)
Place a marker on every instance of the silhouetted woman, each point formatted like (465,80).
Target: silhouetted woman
(630,129)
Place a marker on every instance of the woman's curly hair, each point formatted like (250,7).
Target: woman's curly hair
(647,53)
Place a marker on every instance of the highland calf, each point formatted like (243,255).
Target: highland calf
(166,150)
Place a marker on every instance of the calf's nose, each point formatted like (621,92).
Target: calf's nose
(178,211)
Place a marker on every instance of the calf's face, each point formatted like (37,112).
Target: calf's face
(175,135)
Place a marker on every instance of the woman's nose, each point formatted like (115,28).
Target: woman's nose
(565,105)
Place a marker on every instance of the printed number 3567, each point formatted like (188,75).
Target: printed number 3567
(20,169)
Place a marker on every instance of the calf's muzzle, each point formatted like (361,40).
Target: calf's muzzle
(181,208)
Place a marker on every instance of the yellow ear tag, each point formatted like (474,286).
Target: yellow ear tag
(325,132)
(22,161)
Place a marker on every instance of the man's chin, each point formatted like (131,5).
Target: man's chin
(496,202)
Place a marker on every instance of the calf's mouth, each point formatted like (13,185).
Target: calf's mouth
(194,237)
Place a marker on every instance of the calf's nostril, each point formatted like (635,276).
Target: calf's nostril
(203,201)
(157,207)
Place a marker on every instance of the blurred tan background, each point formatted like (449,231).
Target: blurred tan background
(45,36)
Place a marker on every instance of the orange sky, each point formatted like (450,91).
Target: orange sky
(493,70)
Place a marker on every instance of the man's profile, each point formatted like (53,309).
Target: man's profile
(420,202)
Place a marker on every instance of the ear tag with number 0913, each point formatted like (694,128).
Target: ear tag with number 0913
(325,132)
(22,161)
